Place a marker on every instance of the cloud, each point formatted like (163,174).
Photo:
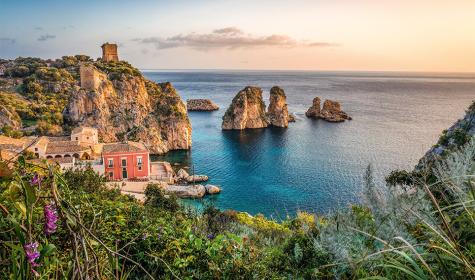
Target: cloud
(38,28)
(4,41)
(228,37)
(46,37)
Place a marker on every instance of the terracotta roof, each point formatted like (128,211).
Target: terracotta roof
(60,147)
(124,147)
(58,138)
(83,129)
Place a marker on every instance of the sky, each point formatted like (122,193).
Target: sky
(341,35)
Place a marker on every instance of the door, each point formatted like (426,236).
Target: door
(124,173)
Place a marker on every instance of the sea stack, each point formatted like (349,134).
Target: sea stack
(247,110)
(314,110)
(331,111)
(277,112)
(201,105)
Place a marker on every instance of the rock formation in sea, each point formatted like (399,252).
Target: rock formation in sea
(201,105)
(330,112)
(126,105)
(277,112)
(314,110)
(247,110)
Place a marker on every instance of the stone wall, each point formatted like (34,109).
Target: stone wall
(109,52)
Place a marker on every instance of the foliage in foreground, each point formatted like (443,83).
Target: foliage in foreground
(403,232)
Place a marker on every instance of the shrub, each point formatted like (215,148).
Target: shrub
(156,197)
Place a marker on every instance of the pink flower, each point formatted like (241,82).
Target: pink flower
(51,217)
(32,254)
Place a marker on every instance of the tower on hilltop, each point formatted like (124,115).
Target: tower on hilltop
(109,52)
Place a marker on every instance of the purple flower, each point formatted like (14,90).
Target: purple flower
(210,236)
(35,180)
(32,254)
(51,217)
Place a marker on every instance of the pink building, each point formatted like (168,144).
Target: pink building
(128,160)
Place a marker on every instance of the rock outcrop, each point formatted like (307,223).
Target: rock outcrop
(9,118)
(201,105)
(212,189)
(189,191)
(196,178)
(277,112)
(330,112)
(126,105)
(314,110)
(247,110)
(459,134)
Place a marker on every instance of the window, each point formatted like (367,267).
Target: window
(111,175)
(111,163)
(36,149)
(139,160)
(77,138)
(124,162)
(140,167)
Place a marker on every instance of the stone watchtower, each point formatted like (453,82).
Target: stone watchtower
(109,52)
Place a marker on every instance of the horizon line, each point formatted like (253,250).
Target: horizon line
(309,70)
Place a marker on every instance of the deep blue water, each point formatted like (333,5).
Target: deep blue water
(314,165)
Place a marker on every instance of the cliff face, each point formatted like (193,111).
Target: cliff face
(277,111)
(247,110)
(123,105)
(451,139)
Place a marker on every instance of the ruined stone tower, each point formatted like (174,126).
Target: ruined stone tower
(109,52)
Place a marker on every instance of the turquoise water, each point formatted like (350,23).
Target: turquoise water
(314,165)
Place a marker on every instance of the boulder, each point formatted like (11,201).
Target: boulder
(188,191)
(247,110)
(291,118)
(277,111)
(201,105)
(196,178)
(182,174)
(212,189)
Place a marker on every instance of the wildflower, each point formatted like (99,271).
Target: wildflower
(51,217)
(144,236)
(32,254)
(35,180)
(210,236)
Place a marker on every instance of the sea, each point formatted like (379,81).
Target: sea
(313,165)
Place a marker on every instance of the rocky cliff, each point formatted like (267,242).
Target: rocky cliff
(247,110)
(277,112)
(122,105)
(451,139)
(330,112)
